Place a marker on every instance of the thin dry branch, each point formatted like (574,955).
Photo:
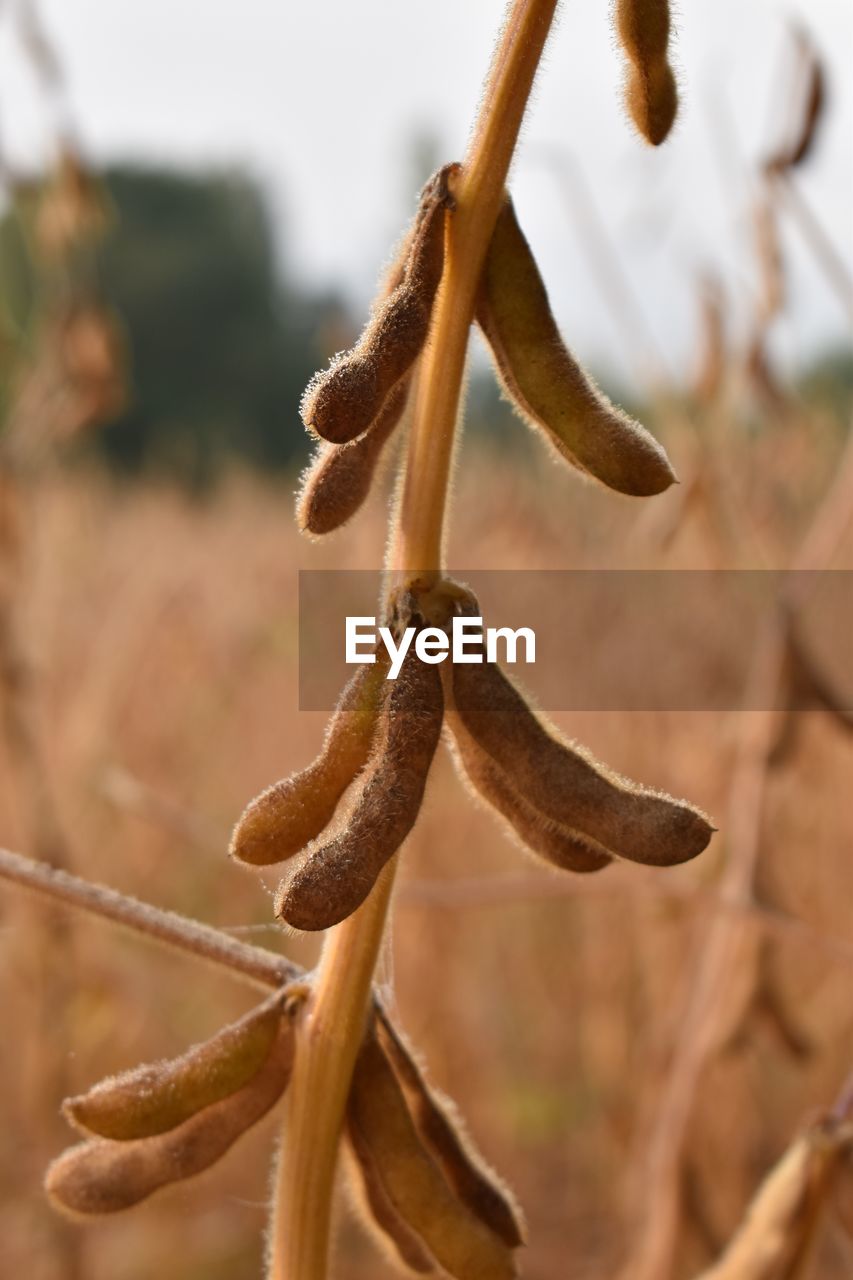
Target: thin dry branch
(262,967)
(718,940)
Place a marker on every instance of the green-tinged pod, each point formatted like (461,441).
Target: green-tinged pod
(156,1097)
(476,1185)
(103,1176)
(541,835)
(340,475)
(545,382)
(337,876)
(563,781)
(342,401)
(651,96)
(386,1141)
(283,819)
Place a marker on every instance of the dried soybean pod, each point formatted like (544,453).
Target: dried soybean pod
(550,840)
(337,876)
(651,95)
(565,783)
(381,1216)
(341,402)
(780,1228)
(102,1176)
(545,382)
(382,1132)
(339,477)
(813,105)
(284,818)
(475,1184)
(159,1096)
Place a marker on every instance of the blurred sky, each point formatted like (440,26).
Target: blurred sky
(323,101)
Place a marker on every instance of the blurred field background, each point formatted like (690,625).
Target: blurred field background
(156,338)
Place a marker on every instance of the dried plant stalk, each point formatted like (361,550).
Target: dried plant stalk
(545,382)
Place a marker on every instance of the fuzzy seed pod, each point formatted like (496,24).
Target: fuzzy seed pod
(339,477)
(544,381)
(159,1096)
(342,401)
(564,783)
(388,1146)
(651,95)
(557,844)
(477,1186)
(283,819)
(102,1176)
(380,1215)
(337,876)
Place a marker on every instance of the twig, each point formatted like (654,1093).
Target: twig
(717,941)
(168,927)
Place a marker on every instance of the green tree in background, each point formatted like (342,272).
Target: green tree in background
(222,341)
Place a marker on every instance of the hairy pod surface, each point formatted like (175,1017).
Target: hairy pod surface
(342,401)
(380,1214)
(103,1176)
(565,783)
(539,834)
(339,477)
(159,1096)
(651,96)
(283,819)
(385,1139)
(337,876)
(477,1186)
(544,381)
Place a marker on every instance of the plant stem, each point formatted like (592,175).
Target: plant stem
(263,967)
(332,1021)
(419,543)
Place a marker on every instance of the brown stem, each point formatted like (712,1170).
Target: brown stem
(333,1019)
(260,966)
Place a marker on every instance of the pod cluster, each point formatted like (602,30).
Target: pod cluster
(356,404)
(419,1182)
(349,812)
(167,1121)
